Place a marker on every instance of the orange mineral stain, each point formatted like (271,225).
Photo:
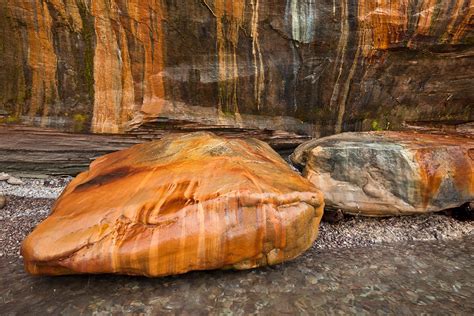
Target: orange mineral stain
(385,24)
(184,203)
(114,103)
(436,166)
(41,58)
(431,175)
(230,18)
(382,23)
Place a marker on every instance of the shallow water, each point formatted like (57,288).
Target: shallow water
(411,278)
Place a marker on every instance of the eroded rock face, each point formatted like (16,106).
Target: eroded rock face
(298,65)
(183,203)
(390,173)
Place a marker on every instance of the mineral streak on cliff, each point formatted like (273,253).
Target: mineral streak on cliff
(39,56)
(300,16)
(229,15)
(259,80)
(46,60)
(306,66)
(384,25)
(124,30)
(389,24)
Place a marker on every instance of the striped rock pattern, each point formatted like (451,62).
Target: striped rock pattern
(303,66)
(390,173)
(183,203)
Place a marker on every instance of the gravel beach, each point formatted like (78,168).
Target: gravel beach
(30,203)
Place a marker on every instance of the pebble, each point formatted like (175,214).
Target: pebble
(14,181)
(4,176)
(358,231)
(17,219)
(49,188)
(3,201)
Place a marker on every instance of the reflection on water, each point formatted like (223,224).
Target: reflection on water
(432,277)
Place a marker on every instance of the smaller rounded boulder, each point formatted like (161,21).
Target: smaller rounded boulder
(390,173)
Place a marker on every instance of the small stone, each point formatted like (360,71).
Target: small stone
(4,176)
(15,181)
(312,279)
(3,201)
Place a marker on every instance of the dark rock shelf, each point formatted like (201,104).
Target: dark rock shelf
(39,151)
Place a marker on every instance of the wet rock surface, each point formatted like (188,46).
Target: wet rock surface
(183,203)
(390,173)
(407,278)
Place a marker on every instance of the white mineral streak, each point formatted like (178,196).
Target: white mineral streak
(257,55)
(300,19)
(300,16)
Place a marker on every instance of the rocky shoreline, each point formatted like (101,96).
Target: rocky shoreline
(29,203)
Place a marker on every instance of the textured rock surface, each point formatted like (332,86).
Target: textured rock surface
(390,173)
(184,203)
(36,150)
(306,66)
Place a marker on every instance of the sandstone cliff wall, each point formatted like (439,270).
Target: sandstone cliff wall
(305,66)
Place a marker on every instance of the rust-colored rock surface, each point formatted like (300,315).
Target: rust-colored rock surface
(183,203)
(311,67)
(390,173)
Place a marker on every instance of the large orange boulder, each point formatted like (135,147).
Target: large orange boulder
(390,173)
(183,203)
